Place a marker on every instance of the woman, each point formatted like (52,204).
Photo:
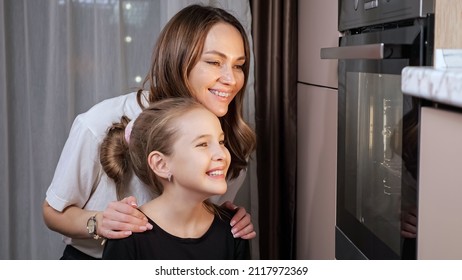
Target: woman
(202,50)
(177,148)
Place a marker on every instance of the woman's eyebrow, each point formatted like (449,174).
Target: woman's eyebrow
(222,54)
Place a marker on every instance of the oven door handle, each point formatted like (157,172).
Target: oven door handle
(368,51)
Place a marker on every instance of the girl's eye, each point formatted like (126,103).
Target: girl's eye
(204,144)
(239,66)
(222,142)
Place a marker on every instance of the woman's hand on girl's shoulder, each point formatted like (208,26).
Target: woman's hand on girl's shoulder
(241,222)
(122,218)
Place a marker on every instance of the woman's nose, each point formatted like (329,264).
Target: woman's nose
(227,75)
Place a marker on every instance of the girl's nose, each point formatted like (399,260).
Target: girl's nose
(219,152)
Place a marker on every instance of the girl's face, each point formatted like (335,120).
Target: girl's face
(218,76)
(200,160)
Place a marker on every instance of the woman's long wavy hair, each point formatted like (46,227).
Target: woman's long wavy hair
(178,49)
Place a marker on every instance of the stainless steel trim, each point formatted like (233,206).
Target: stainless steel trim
(374,12)
(371,4)
(370,51)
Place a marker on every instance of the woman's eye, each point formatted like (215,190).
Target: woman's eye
(204,144)
(239,66)
(222,142)
(216,63)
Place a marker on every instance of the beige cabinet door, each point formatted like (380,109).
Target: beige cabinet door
(440,185)
(317,28)
(316,172)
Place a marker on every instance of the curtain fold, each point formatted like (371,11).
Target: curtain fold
(57,59)
(4,138)
(274,31)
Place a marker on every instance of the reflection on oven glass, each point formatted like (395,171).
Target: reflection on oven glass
(374,106)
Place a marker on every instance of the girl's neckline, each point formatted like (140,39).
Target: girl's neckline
(182,239)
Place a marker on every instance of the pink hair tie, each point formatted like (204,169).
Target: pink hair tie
(128,130)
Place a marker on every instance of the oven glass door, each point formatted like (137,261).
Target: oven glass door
(376,183)
(374,106)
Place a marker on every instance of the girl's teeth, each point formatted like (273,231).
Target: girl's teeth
(216,173)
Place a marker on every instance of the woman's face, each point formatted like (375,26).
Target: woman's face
(218,76)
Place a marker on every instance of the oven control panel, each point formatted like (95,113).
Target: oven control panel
(362,13)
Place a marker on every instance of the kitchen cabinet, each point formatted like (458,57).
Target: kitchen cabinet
(440,156)
(440,188)
(316,130)
(316,172)
(448,34)
(317,28)
(440,153)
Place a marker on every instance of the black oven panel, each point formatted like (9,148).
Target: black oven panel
(359,13)
(377,124)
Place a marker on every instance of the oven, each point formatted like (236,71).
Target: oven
(377,164)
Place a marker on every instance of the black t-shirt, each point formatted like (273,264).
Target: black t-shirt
(216,244)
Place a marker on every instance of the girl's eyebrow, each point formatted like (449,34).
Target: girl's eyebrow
(199,137)
(204,136)
(222,54)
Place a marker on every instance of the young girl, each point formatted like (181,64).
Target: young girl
(202,52)
(177,148)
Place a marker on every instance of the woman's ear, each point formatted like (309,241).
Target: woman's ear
(158,163)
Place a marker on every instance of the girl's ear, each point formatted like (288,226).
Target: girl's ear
(158,164)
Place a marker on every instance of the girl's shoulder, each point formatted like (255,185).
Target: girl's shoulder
(224,215)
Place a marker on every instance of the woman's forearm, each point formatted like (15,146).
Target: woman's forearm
(72,222)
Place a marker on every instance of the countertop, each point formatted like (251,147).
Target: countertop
(442,83)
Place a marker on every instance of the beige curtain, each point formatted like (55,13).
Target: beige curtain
(274,30)
(57,59)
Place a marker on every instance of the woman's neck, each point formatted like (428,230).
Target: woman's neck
(180,217)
